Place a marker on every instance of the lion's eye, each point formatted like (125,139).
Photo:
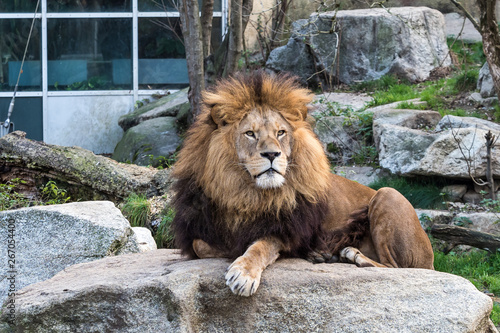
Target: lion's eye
(281,133)
(250,134)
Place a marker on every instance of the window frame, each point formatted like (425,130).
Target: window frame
(134,14)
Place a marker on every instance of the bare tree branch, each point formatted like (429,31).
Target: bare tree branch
(467,14)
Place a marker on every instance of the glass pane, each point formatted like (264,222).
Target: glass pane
(169,5)
(162,58)
(26,116)
(89,54)
(13,6)
(14,36)
(58,6)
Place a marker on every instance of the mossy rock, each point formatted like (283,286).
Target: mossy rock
(144,143)
(167,106)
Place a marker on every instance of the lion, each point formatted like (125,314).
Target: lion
(253,183)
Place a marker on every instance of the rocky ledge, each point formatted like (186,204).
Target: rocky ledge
(159,291)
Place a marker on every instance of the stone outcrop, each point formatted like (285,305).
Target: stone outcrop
(158,291)
(485,82)
(479,221)
(151,130)
(84,174)
(168,106)
(47,239)
(412,142)
(409,42)
(145,143)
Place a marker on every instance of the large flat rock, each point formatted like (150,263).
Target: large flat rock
(158,291)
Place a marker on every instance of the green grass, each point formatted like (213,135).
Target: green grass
(395,93)
(164,237)
(467,53)
(136,209)
(479,267)
(421,193)
(465,80)
(384,83)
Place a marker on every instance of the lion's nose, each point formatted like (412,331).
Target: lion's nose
(270,155)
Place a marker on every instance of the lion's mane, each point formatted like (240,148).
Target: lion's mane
(215,200)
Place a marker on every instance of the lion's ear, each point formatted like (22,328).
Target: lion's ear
(216,115)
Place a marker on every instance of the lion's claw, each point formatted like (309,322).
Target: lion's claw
(240,280)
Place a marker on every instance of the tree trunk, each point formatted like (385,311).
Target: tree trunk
(83,174)
(463,236)
(235,43)
(490,142)
(491,39)
(207,12)
(193,43)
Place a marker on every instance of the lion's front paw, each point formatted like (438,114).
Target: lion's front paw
(242,277)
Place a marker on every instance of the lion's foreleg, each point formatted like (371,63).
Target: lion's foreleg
(243,276)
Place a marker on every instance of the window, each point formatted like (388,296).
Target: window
(15,34)
(123,49)
(89,54)
(58,6)
(11,6)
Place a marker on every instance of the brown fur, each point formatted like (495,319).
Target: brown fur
(221,212)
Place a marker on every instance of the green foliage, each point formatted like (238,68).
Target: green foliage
(465,81)
(421,193)
(411,106)
(399,92)
(384,83)
(367,155)
(136,209)
(363,121)
(164,236)
(495,314)
(467,53)
(53,195)
(162,162)
(9,198)
(479,267)
(496,113)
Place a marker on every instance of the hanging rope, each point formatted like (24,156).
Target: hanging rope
(6,123)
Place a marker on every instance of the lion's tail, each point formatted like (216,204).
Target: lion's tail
(351,234)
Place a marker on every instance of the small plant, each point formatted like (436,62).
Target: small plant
(137,210)
(162,162)
(9,198)
(53,195)
(164,237)
(465,81)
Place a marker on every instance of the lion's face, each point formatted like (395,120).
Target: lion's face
(264,145)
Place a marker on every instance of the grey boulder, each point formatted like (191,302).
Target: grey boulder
(41,241)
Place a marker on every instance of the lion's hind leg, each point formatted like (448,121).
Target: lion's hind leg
(353,255)
(397,237)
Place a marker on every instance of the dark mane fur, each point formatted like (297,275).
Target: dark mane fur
(198,218)
(349,235)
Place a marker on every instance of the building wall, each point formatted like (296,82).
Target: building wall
(90,122)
